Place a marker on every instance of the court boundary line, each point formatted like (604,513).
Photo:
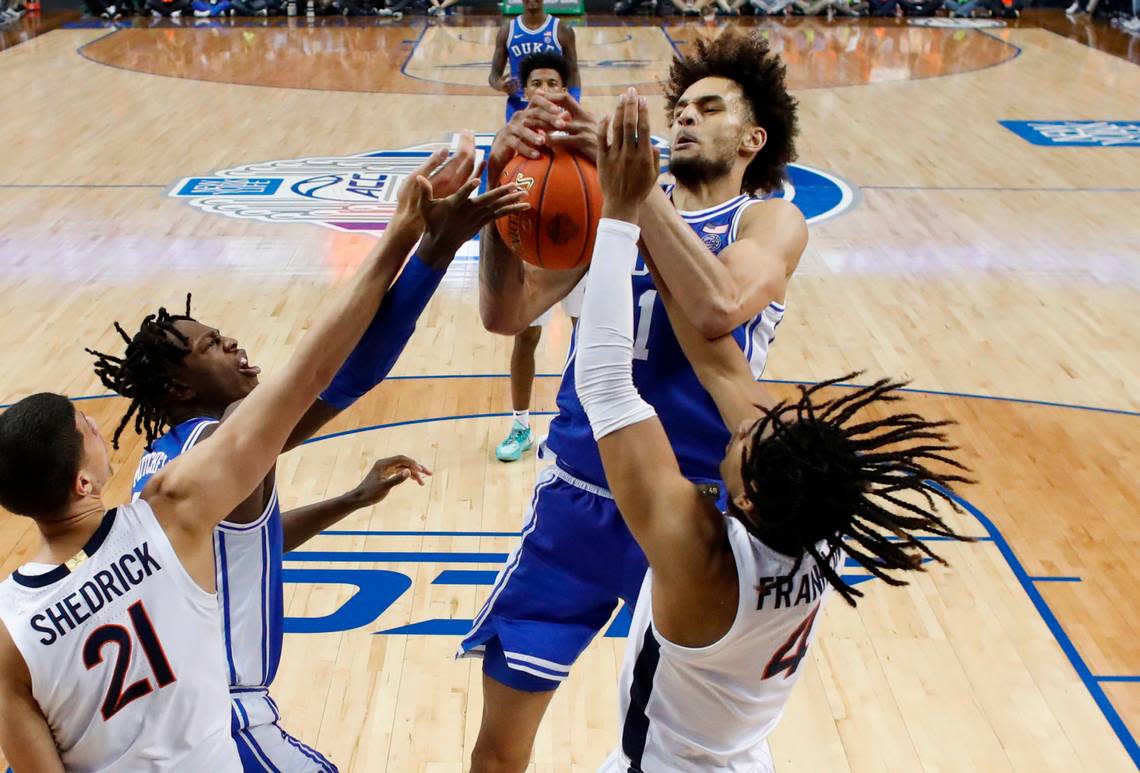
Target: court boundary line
(81,51)
(1091,682)
(985,189)
(1045,612)
(791,382)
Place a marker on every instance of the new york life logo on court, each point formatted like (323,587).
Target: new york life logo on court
(358,193)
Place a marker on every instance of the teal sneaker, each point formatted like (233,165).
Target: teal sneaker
(520,440)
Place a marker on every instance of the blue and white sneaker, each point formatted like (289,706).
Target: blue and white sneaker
(519,441)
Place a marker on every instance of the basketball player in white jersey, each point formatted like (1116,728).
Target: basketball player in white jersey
(728,253)
(728,608)
(183,378)
(111,648)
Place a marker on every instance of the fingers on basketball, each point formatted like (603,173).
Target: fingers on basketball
(557,229)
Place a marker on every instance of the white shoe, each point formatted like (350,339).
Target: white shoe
(1073,9)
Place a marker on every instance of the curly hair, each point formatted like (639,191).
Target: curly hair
(830,477)
(747,60)
(544,60)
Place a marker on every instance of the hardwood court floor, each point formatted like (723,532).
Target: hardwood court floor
(967,259)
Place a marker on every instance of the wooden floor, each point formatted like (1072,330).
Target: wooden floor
(1001,276)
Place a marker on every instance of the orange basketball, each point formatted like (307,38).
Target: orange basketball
(565,200)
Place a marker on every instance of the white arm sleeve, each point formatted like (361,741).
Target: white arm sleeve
(603,366)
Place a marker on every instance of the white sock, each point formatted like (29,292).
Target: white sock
(522,418)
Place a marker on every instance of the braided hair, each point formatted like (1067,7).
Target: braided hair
(144,373)
(826,477)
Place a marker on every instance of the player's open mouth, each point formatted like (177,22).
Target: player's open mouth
(245,368)
(684,142)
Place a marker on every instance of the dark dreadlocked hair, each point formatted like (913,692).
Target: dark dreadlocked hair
(823,477)
(747,60)
(144,373)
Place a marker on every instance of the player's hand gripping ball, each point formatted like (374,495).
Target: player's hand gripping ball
(565,198)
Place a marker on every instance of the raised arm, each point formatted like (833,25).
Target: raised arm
(384,340)
(681,533)
(513,293)
(720,292)
(195,491)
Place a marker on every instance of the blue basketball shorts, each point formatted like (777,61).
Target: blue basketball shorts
(559,587)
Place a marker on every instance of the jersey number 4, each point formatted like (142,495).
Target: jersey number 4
(781,661)
(117,698)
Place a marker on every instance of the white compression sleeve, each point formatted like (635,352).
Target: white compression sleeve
(603,366)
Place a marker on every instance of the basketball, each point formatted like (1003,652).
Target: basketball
(565,198)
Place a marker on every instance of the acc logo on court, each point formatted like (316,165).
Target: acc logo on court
(358,193)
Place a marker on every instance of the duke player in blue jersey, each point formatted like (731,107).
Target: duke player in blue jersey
(727,254)
(534,32)
(185,378)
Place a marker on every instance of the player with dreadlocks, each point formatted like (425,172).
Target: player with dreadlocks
(729,254)
(728,607)
(184,378)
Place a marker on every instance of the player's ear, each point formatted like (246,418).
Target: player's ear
(753,140)
(180,392)
(744,504)
(85,483)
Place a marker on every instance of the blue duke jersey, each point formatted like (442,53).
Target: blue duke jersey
(551,598)
(523,42)
(662,373)
(248,564)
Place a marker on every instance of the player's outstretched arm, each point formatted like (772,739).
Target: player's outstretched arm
(681,533)
(303,523)
(720,292)
(25,737)
(390,330)
(194,492)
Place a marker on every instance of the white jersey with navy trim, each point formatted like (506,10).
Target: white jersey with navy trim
(662,372)
(248,560)
(125,653)
(687,710)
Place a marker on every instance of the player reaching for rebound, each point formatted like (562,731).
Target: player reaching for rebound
(112,652)
(534,32)
(186,377)
(728,257)
(729,605)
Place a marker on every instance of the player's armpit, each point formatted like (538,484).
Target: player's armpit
(25,737)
